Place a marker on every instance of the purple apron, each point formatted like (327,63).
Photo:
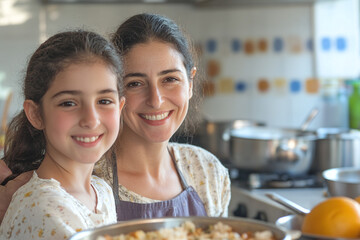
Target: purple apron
(187,203)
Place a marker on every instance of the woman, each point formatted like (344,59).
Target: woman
(152,177)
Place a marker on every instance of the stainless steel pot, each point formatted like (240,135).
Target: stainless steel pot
(238,224)
(336,148)
(214,136)
(274,150)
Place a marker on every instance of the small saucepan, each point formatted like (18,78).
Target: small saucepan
(343,181)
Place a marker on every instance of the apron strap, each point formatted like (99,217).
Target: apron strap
(115,180)
(182,178)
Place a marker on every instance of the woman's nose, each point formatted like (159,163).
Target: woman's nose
(89,117)
(155,98)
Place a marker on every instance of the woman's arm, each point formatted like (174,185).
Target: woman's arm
(10,188)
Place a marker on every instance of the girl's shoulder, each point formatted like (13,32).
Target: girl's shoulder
(36,187)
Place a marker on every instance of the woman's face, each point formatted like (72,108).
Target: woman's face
(157,91)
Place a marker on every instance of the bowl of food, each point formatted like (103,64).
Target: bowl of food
(186,228)
(343,181)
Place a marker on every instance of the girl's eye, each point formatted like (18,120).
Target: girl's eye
(105,101)
(67,104)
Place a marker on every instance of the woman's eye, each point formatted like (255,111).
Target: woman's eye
(105,101)
(67,104)
(133,84)
(171,79)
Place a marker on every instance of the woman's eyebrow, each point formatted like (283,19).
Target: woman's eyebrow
(135,75)
(169,71)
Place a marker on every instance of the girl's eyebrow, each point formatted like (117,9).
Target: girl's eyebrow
(76,92)
(159,74)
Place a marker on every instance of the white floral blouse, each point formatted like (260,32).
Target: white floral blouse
(201,170)
(42,209)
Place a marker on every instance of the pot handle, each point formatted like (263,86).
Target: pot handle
(288,204)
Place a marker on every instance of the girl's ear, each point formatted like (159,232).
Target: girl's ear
(32,113)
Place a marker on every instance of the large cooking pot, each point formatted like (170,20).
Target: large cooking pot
(238,224)
(336,148)
(214,135)
(273,150)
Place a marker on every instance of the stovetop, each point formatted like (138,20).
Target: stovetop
(264,180)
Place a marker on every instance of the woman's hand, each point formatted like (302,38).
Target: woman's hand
(10,188)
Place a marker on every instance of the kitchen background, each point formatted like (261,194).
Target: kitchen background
(268,61)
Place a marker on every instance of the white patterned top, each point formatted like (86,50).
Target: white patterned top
(201,170)
(42,209)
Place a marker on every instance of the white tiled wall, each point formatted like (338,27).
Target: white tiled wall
(275,107)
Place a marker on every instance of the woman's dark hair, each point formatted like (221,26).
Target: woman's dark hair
(25,146)
(146,27)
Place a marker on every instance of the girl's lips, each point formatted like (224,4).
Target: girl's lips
(87,140)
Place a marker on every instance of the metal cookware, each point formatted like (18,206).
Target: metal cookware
(335,148)
(274,150)
(293,225)
(214,136)
(288,204)
(238,224)
(343,181)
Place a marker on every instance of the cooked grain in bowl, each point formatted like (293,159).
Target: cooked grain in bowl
(188,231)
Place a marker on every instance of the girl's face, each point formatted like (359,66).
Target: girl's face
(81,113)
(157,91)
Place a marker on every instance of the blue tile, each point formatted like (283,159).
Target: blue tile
(325,44)
(295,86)
(278,44)
(211,46)
(341,44)
(236,45)
(240,86)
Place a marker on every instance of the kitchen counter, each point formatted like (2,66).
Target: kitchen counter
(255,203)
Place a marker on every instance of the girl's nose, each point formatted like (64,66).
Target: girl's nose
(155,98)
(89,117)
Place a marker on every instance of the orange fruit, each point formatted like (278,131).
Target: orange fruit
(335,217)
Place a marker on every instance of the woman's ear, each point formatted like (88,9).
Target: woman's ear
(122,103)
(32,113)
(192,75)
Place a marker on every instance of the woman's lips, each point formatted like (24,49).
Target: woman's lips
(155,117)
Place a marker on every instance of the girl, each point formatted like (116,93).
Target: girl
(70,119)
